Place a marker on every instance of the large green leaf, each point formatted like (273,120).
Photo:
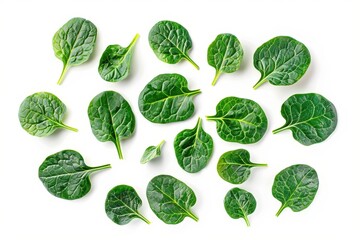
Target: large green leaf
(167,98)
(111,118)
(74,42)
(239,120)
(170,42)
(170,199)
(295,187)
(41,113)
(311,118)
(65,174)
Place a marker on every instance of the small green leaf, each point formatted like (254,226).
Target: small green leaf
(281,61)
(239,204)
(115,62)
(225,54)
(111,118)
(40,114)
(193,148)
(122,204)
(167,98)
(295,187)
(170,199)
(152,152)
(311,118)
(74,42)
(239,120)
(65,174)
(170,42)
(235,166)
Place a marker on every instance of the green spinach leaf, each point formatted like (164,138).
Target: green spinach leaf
(295,187)
(73,43)
(167,98)
(193,148)
(225,54)
(281,61)
(311,118)
(41,113)
(170,42)
(111,118)
(170,199)
(239,120)
(65,174)
(151,153)
(122,204)
(235,166)
(115,62)
(239,204)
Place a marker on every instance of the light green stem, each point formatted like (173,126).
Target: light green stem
(101,167)
(143,218)
(247,220)
(217,75)
(134,40)
(195,92)
(63,73)
(62,125)
(118,148)
(193,216)
(280,210)
(191,61)
(259,83)
(260,165)
(160,144)
(280,129)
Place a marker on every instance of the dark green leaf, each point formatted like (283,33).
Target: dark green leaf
(311,118)
(170,42)
(281,61)
(295,187)
(115,62)
(239,204)
(167,98)
(65,174)
(239,120)
(42,113)
(151,153)
(111,118)
(74,42)
(170,199)
(193,148)
(225,54)
(235,166)
(122,204)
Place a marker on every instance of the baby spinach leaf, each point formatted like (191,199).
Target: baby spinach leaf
(65,174)
(193,148)
(281,61)
(73,43)
(151,153)
(115,62)
(295,187)
(111,118)
(239,120)
(235,166)
(170,42)
(170,199)
(41,113)
(239,204)
(122,204)
(311,118)
(225,54)
(167,98)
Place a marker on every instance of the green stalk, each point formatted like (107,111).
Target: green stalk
(217,75)
(101,167)
(280,129)
(118,148)
(195,92)
(260,165)
(280,210)
(191,61)
(160,144)
(259,83)
(193,216)
(62,125)
(143,218)
(134,40)
(63,73)
(247,220)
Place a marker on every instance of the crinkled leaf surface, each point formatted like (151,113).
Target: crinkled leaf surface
(152,152)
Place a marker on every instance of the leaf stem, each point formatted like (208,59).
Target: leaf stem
(195,92)
(193,216)
(210,118)
(160,144)
(283,206)
(259,83)
(68,127)
(191,61)
(217,74)
(63,73)
(101,167)
(143,218)
(134,40)
(118,148)
(260,165)
(280,129)
(246,220)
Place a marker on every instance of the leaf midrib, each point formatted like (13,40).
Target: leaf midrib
(189,94)
(233,119)
(72,45)
(182,53)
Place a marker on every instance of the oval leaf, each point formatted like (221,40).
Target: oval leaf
(170,42)
(41,113)
(239,204)
(74,42)
(235,166)
(311,118)
(170,199)
(167,98)
(65,174)
(281,61)
(193,148)
(111,118)
(151,153)
(115,62)
(225,54)
(239,120)
(122,204)
(295,187)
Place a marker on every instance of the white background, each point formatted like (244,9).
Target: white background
(27,65)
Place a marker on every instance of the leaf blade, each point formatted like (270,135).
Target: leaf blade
(151,153)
